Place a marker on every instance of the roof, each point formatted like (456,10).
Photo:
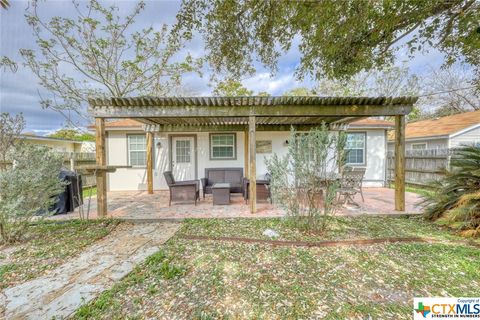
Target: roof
(372,123)
(440,127)
(42,138)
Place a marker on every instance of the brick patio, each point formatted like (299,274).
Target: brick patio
(142,206)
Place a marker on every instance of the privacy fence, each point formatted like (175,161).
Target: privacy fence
(421,166)
(73,160)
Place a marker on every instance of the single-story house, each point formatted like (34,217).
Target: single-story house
(188,153)
(442,133)
(59,145)
(188,134)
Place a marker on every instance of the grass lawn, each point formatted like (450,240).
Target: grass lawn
(46,246)
(87,191)
(213,279)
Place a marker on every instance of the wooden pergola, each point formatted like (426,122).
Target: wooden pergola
(248,114)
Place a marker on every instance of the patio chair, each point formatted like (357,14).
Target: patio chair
(263,189)
(351,184)
(188,190)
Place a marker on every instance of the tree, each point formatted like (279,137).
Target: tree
(304,180)
(447,91)
(337,39)
(301,91)
(72,134)
(26,189)
(389,81)
(10,129)
(231,88)
(97,54)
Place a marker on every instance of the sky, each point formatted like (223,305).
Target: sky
(20,91)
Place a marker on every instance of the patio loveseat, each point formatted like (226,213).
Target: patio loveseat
(233,176)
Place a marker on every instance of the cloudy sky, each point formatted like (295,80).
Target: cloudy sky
(19,92)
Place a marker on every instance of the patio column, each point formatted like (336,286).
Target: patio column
(101,160)
(245,151)
(400,162)
(150,162)
(252,164)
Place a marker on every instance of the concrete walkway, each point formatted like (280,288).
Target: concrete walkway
(61,292)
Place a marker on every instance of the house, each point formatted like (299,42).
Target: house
(59,145)
(442,133)
(189,153)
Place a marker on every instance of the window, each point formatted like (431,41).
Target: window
(137,150)
(355,147)
(182,151)
(222,146)
(419,146)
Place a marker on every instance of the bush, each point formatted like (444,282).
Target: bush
(303,181)
(456,200)
(28,187)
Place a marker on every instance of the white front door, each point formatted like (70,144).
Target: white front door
(183,158)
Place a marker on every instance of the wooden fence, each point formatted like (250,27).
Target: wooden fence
(72,160)
(421,166)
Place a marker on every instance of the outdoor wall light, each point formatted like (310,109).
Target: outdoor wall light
(158,144)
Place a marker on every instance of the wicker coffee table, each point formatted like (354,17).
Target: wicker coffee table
(221,193)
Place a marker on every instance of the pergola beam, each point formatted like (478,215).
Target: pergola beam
(246,111)
(226,127)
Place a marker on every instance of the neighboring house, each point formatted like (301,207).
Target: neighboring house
(442,133)
(126,145)
(60,145)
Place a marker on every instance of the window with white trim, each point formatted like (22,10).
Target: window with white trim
(222,146)
(355,148)
(137,150)
(419,146)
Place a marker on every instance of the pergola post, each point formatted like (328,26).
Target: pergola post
(252,164)
(400,162)
(101,160)
(245,151)
(150,162)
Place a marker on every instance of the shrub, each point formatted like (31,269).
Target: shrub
(456,200)
(28,187)
(303,181)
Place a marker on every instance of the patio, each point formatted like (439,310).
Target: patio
(141,206)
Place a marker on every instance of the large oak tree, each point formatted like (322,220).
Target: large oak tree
(336,39)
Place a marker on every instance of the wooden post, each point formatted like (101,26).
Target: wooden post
(245,151)
(150,162)
(400,163)
(252,164)
(101,160)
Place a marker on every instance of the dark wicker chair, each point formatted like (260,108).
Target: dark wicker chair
(263,189)
(182,190)
(351,184)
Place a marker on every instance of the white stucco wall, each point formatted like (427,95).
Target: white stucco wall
(135,178)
